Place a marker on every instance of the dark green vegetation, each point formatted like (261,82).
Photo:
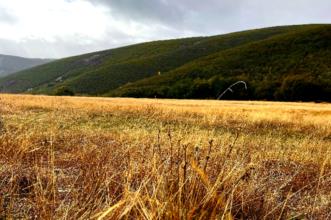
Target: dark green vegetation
(279,63)
(64,91)
(12,64)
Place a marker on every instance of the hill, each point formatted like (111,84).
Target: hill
(278,63)
(291,66)
(12,64)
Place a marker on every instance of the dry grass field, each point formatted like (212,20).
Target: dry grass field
(100,158)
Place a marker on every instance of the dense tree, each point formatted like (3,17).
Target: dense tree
(64,91)
(302,88)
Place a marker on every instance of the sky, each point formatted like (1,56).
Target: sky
(62,28)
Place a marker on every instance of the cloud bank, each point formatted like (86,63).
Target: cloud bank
(60,28)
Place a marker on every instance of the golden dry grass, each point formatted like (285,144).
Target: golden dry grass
(100,158)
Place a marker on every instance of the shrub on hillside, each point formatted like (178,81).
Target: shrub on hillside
(302,88)
(64,91)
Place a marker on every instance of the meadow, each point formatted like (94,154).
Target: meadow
(119,158)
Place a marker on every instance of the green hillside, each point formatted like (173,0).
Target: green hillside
(291,66)
(285,63)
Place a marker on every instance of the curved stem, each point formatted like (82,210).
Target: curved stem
(230,88)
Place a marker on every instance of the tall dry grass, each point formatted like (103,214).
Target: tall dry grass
(90,158)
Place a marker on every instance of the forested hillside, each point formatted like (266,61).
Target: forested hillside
(293,66)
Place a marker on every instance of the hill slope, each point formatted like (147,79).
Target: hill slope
(277,63)
(292,66)
(12,64)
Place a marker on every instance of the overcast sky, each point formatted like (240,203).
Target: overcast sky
(60,28)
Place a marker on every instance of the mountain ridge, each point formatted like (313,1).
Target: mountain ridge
(269,59)
(10,64)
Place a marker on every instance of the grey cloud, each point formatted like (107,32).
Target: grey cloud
(61,47)
(160,10)
(219,16)
(175,18)
(6,17)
